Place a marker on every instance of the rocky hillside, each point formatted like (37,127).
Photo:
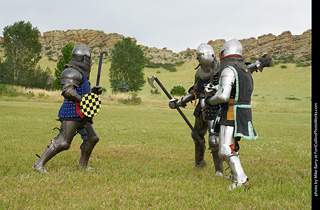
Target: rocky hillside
(53,41)
(284,44)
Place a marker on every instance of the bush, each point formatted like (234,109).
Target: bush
(134,100)
(168,66)
(29,94)
(178,91)
(155,92)
(303,64)
(287,59)
(9,91)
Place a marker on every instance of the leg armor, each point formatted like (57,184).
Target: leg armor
(214,147)
(88,145)
(228,154)
(61,142)
(201,127)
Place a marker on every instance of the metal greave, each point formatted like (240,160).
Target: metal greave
(218,163)
(237,170)
(86,151)
(199,155)
(49,153)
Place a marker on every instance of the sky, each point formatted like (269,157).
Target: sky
(175,24)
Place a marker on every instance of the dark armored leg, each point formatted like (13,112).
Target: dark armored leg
(87,146)
(201,127)
(61,142)
(214,147)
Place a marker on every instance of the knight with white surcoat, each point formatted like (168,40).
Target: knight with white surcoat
(207,115)
(234,97)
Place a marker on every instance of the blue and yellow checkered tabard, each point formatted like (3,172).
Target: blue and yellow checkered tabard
(68,108)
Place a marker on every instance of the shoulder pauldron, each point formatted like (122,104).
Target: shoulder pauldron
(70,76)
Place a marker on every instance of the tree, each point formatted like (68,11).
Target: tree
(21,52)
(122,86)
(127,64)
(66,57)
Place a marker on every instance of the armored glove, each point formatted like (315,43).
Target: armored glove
(264,61)
(173,103)
(97,90)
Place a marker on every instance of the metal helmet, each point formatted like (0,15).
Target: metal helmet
(205,55)
(80,52)
(231,47)
(81,57)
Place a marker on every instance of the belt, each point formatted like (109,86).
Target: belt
(68,101)
(239,103)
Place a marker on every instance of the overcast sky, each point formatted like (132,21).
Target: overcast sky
(175,24)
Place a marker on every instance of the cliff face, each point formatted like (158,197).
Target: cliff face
(283,45)
(53,41)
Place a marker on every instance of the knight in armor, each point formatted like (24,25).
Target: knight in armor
(75,84)
(207,73)
(207,115)
(234,97)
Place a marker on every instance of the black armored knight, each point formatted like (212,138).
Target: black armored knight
(206,78)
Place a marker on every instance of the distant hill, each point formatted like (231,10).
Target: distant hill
(284,44)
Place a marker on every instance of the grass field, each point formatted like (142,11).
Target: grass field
(145,155)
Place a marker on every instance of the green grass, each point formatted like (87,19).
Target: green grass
(146,154)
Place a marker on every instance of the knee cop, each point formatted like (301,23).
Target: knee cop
(213,142)
(60,143)
(90,143)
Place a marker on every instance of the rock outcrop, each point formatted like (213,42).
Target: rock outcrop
(53,41)
(285,44)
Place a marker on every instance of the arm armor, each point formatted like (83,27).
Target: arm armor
(223,94)
(70,80)
(71,93)
(263,61)
(252,67)
(181,102)
(185,99)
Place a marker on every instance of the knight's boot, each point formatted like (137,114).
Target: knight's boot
(49,153)
(86,151)
(218,163)
(199,156)
(241,178)
(245,184)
